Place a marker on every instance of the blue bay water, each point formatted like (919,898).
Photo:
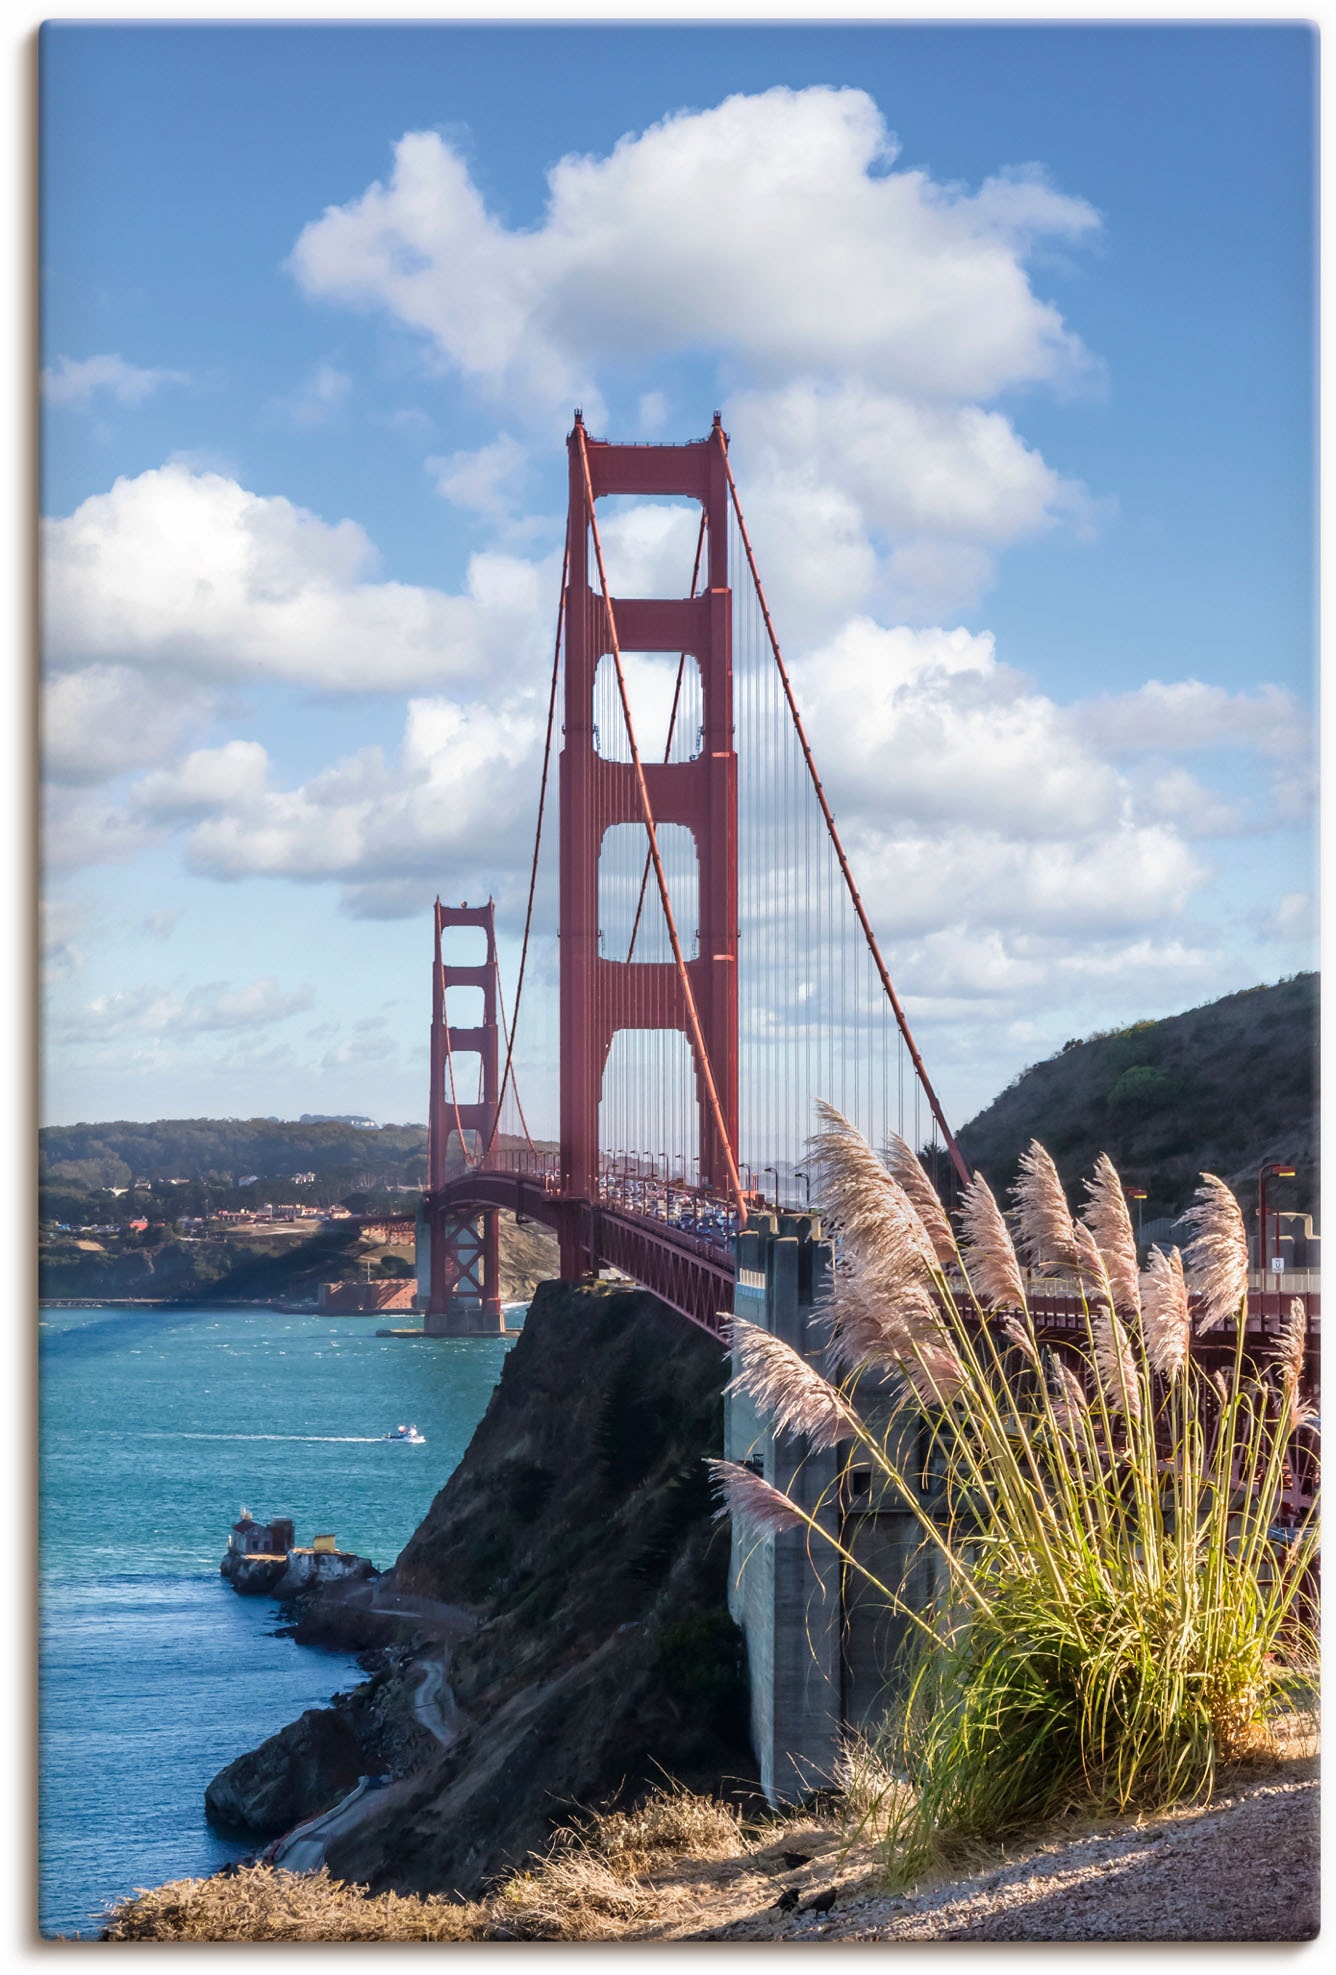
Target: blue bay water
(156,1426)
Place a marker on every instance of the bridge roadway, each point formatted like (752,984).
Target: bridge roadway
(690,1272)
(694,1273)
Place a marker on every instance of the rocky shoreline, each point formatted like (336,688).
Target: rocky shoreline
(553,1635)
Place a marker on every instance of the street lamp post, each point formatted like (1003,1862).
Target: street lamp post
(800,1173)
(775,1171)
(1137,1193)
(1275,1171)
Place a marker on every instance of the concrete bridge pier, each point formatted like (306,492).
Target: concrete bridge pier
(784,1591)
(824,1644)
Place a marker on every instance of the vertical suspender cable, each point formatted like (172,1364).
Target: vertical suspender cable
(846,872)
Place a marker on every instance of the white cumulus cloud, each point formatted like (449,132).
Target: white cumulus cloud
(206,1007)
(928,725)
(461,786)
(484,481)
(772,227)
(191,572)
(105,720)
(1188,714)
(926,493)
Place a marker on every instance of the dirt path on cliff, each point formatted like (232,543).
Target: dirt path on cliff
(433,1617)
(303,1850)
(434,1707)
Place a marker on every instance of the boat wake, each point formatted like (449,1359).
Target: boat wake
(325,1439)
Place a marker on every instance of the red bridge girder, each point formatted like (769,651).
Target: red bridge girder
(690,1274)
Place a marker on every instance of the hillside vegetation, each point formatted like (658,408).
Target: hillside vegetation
(1225,1088)
(221,1151)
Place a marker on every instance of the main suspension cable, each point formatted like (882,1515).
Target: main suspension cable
(508,1077)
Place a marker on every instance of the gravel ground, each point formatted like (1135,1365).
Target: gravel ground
(1245,1870)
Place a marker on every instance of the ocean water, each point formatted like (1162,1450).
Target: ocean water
(155,1428)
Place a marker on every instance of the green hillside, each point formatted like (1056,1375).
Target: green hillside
(1225,1088)
(222,1151)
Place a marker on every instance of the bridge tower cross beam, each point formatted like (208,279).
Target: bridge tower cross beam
(600,995)
(464,1295)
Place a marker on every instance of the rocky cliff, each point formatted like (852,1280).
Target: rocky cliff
(577,1536)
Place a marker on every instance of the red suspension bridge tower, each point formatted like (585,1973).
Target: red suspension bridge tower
(601,995)
(465,1293)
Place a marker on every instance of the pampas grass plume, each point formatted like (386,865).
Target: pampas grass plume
(750,1497)
(785,1387)
(1114,1362)
(1216,1259)
(1045,1220)
(1107,1218)
(1165,1323)
(907,1169)
(990,1259)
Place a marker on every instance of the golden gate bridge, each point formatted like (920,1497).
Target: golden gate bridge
(716,967)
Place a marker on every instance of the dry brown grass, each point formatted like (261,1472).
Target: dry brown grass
(709,1879)
(584,1887)
(587,1885)
(264,1903)
(870,1798)
(670,1824)
(870,1794)
(571,1895)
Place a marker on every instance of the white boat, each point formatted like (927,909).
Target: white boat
(409,1434)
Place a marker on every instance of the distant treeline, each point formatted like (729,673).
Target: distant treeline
(87,1165)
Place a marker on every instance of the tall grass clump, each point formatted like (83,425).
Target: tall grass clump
(1115,1617)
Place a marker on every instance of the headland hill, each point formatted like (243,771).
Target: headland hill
(263,1210)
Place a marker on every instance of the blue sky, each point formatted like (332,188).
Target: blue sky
(1031,478)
